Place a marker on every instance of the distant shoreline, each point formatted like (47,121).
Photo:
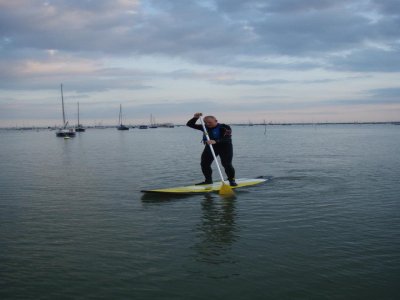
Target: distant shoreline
(233,124)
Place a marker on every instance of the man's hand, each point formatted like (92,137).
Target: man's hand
(211,142)
(197,115)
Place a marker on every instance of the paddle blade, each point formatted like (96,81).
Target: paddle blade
(226,190)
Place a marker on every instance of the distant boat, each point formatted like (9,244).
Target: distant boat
(120,126)
(79,127)
(166,125)
(64,131)
(143,127)
(153,122)
(100,126)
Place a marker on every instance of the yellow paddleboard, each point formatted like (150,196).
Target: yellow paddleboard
(206,188)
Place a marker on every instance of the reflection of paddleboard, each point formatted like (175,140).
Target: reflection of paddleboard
(206,188)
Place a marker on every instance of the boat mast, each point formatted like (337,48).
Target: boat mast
(120,114)
(78,114)
(62,101)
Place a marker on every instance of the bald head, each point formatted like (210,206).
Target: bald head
(210,121)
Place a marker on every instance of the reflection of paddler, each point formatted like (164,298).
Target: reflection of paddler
(218,230)
(221,139)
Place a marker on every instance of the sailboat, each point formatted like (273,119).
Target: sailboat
(79,127)
(120,126)
(63,131)
(153,122)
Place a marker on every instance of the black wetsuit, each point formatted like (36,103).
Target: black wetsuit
(223,148)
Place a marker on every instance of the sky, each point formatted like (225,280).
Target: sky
(242,61)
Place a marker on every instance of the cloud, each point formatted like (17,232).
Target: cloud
(207,34)
(283,6)
(389,7)
(144,52)
(80,74)
(389,93)
(368,60)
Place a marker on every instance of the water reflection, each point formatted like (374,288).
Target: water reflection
(67,145)
(162,197)
(217,230)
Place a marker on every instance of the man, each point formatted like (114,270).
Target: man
(221,140)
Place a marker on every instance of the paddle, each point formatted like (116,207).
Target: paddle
(225,189)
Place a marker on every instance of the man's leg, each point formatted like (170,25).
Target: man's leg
(206,161)
(225,151)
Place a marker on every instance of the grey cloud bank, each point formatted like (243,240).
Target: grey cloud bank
(188,29)
(254,47)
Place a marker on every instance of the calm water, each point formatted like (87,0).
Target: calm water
(73,223)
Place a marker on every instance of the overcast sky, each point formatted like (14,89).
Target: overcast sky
(253,60)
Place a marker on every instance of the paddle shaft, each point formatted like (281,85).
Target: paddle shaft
(212,149)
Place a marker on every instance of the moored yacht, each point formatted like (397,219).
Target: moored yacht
(64,131)
(120,126)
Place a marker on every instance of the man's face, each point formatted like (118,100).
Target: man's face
(210,122)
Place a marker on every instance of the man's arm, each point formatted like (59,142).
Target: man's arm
(192,122)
